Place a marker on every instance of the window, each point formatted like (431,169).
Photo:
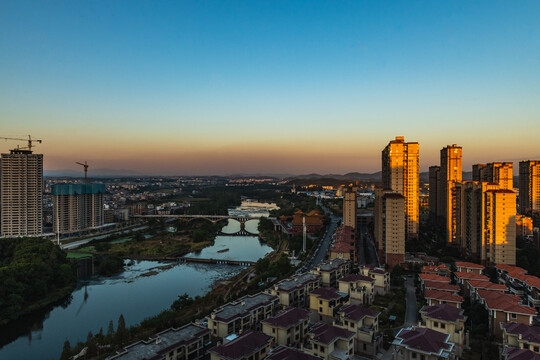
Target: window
(413,355)
(513,316)
(443,326)
(435,324)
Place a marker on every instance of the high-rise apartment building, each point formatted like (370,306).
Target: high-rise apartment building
(400,173)
(349,207)
(77,207)
(434,180)
(21,193)
(529,186)
(450,175)
(500,216)
(389,226)
(500,173)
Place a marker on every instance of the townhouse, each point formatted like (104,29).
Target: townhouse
(441,286)
(474,285)
(521,336)
(446,319)
(241,315)
(287,328)
(422,343)
(435,297)
(287,353)
(381,277)
(441,269)
(330,342)
(361,288)
(364,323)
(295,291)
(332,270)
(252,345)
(324,303)
(469,267)
(432,278)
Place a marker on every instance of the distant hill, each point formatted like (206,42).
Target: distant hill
(103,173)
(356,176)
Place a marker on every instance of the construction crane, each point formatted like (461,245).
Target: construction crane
(85,170)
(30,140)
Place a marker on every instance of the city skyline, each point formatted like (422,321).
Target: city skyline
(191,88)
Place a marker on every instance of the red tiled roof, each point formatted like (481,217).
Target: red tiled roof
(356,277)
(511,268)
(504,302)
(443,295)
(288,318)
(481,284)
(244,345)
(443,312)
(287,353)
(434,268)
(356,312)
(438,285)
(494,294)
(326,293)
(433,277)
(326,334)
(528,279)
(470,275)
(424,339)
(468,265)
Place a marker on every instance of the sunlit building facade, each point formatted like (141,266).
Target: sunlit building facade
(389,226)
(450,176)
(400,173)
(349,207)
(529,186)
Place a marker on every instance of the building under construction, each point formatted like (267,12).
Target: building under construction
(77,207)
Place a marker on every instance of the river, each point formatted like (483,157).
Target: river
(98,300)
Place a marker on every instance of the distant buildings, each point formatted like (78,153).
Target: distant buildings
(447,199)
(21,194)
(349,207)
(400,173)
(344,246)
(77,207)
(529,185)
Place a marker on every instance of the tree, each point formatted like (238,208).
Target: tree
(110,330)
(66,351)
(139,237)
(183,301)
(91,345)
(121,331)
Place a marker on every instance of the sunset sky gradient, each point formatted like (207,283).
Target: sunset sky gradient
(222,87)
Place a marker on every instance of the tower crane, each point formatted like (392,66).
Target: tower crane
(30,140)
(85,165)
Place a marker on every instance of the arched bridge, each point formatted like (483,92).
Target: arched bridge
(212,218)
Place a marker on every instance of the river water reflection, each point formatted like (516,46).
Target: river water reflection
(41,336)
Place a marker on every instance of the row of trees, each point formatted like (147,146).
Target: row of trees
(30,271)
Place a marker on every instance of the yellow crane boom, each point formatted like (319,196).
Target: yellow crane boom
(85,165)
(30,140)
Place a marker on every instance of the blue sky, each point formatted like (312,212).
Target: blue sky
(186,87)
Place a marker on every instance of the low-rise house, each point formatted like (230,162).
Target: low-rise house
(441,269)
(469,267)
(441,286)
(432,278)
(287,328)
(324,303)
(364,323)
(503,270)
(332,270)
(361,288)
(435,297)
(422,343)
(330,342)
(295,290)
(446,319)
(521,336)
(287,353)
(475,285)
(525,286)
(252,345)
(241,315)
(463,277)
(186,343)
(381,277)
(501,309)
(519,354)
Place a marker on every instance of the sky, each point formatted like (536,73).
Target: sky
(268,87)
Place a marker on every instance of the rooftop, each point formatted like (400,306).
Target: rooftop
(519,354)
(243,346)
(327,334)
(288,318)
(356,312)
(161,343)
(442,295)
(510,269)
(481,284)
(331,265)
(297,282)
(327,293)
(528,333)
(434,277)
(443,312)
(242,306)
(356,277)
(287,353)
(428,284)
(469,265)
(425,340)
(470,275)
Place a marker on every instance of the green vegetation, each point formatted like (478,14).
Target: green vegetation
(33,273)
(289,202)
(528,256)
(108,265)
